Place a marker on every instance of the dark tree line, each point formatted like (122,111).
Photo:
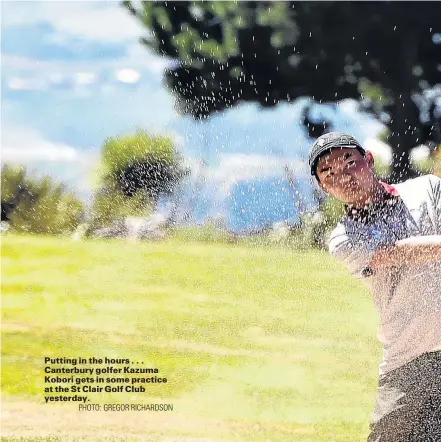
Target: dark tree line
(384,54)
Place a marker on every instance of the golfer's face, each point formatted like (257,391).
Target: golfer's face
(346,174)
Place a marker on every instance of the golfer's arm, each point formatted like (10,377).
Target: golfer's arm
(413,250)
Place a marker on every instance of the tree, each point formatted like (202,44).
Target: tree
(37,205)
(135,170)
(384,54)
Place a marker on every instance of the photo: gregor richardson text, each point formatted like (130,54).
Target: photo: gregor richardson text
(83,380)
(125,407)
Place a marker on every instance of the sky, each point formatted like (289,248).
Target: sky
(75,73)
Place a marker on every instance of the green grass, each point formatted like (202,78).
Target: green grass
(271,343)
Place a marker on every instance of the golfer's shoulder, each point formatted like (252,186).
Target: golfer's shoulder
(415,185)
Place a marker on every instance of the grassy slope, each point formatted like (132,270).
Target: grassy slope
(278,345)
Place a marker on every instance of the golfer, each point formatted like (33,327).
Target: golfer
(390,237)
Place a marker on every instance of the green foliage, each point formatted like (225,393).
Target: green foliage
(426,165)
(12,181)
(437,161)
(316,228)
(287,50)
(111,204)
(122,152)
(39,206)
(135,170)
(382,169)
(332,210)
(376,97)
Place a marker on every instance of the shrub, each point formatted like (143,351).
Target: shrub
(40,206)
(134,172)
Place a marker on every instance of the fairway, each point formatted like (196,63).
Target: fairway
(257,343)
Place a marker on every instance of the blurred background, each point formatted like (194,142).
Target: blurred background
(142,117)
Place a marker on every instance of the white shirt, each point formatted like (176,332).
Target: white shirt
(407,298)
